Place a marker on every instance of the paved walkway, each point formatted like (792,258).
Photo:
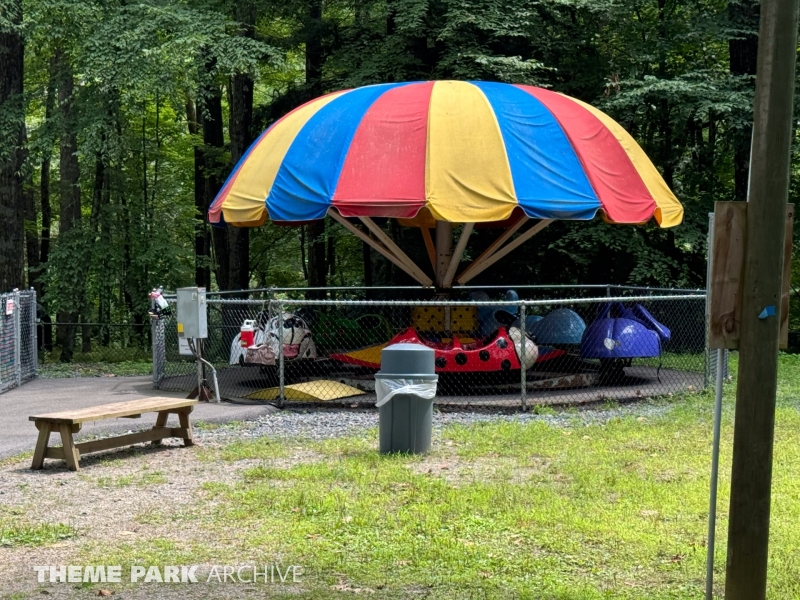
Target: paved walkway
(50,395)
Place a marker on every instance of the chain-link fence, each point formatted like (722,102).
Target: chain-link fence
(18,359)
(94,349)
(466,292)
(489,353)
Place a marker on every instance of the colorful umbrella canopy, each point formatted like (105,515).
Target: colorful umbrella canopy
(469,152)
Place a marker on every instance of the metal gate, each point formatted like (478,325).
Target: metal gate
(18,357)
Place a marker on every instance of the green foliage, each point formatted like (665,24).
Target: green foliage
(661,69)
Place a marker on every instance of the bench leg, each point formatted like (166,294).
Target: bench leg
(183,417)
(41,444)
(71,454)
(161,421)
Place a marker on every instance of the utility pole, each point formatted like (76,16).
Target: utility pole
(751,476)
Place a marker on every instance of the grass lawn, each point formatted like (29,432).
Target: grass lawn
(101,362)
(59,370)
(499,509)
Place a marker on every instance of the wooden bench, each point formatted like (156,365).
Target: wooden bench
(69,422)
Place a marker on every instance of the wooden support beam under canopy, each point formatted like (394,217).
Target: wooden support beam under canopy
(380,248)
(485,261)
(455,260)
(395,249)
(431,249)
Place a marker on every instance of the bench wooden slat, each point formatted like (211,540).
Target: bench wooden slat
(115,410)
(57,452)
(149,435)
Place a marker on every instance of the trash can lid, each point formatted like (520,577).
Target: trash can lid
(408,360)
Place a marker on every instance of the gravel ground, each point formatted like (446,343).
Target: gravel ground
(330,423)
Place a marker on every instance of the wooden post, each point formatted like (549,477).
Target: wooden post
(415,274)
(444,250)
(478,266)
(751,476)
(455,260)
(429,247)
(71,454)
(41,444)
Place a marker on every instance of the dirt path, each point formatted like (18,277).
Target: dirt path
(121,496)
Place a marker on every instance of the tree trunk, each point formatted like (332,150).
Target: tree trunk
(332,256)
(366,255)
(97,193)
(70,197)
(202,256)
(70,202)
(317,267)
(106,285)
(99,198)
(212,161)
(743,50)
(303,252)
(240,128)
(86,338)
(44,179)
(30,214)
(316,257)
(314,51)
(12,153)
(209,107)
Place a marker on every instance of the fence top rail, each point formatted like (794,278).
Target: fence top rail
(142,324)
(499,303)
(566,286)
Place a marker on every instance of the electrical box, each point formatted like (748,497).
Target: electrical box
(192,319)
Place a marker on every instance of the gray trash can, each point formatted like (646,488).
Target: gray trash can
(406,387)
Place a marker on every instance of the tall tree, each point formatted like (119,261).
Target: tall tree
(240,127)
(12,123)
(202,246)
(30,214)
(70,195)
(743,50)
(315,59)
(69,187)
(44,173)
(210,113)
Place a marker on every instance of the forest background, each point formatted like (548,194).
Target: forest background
(121,120)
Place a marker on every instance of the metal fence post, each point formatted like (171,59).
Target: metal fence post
(710,357)
(17,341)
(153,342)
(281,382)
(522,370)
(157,343)
(201,373)
(34,339)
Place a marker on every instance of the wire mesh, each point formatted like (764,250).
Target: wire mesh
(392,293)
(490,354)
(18,360)
(96,343)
